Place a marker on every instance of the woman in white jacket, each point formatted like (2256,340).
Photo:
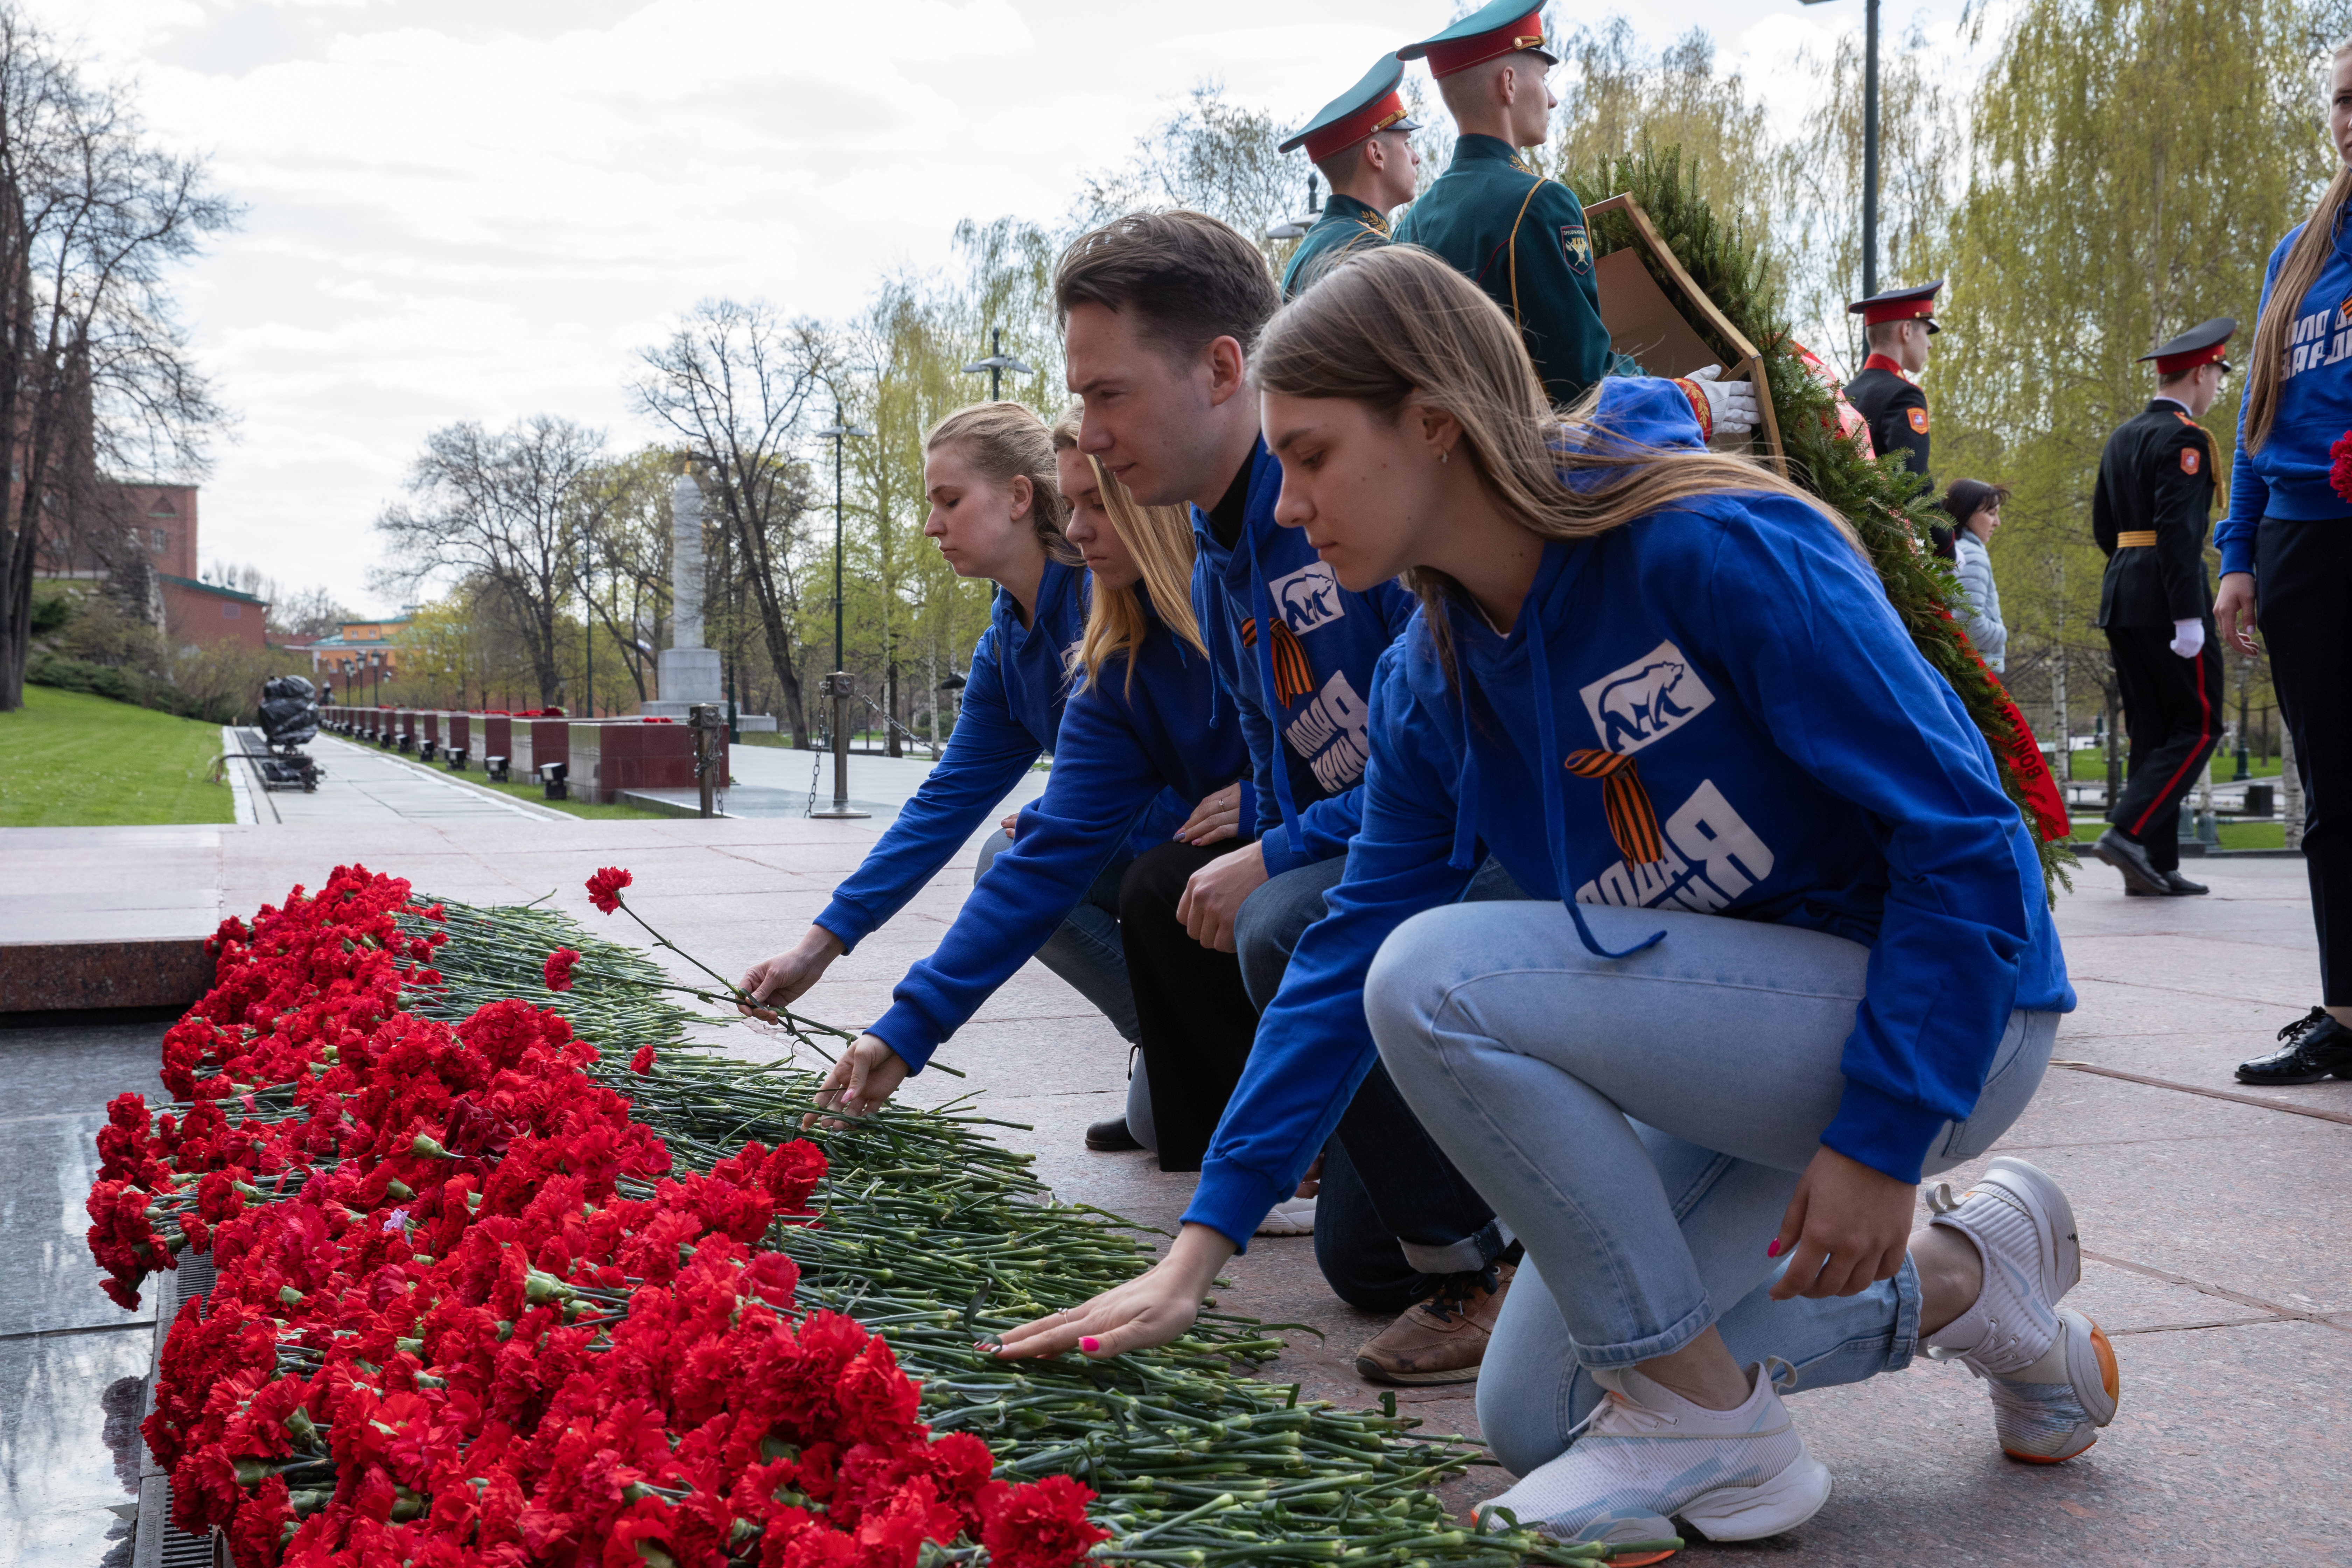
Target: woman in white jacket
(1975,507)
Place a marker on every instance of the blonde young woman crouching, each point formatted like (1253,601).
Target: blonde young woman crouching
(1661,688)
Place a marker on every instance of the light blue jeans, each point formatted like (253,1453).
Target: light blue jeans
(1085,951)
(1641,1124)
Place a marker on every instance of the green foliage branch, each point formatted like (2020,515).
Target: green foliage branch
(1886,505)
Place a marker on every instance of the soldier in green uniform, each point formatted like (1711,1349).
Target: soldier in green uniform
(1519,237)
(1361,143)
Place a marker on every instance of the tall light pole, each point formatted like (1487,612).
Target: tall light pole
(995,365)
(836,684)
(1869,146)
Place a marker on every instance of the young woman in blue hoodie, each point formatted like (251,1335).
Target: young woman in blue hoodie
(1789,949)
(1137,726)
(997,513)
(2287,553)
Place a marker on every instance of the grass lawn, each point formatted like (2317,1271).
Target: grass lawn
(2090,765)
(536,795)
(68,759)
(2234,834)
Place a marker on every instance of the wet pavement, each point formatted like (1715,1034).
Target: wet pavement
(2219,1253)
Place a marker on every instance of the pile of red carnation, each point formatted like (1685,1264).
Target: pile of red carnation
(467,1314)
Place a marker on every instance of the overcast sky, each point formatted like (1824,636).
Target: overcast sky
(480,208)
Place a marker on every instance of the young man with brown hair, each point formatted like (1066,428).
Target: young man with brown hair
(1157,310)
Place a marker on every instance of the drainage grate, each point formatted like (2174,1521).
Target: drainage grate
(160,1544)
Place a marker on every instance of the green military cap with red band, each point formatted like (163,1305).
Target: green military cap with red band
(1365,109)
(1505,28)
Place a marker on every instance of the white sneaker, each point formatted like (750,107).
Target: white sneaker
(2054,1409)
(1645,1455)
(1291,1217)
(2051,1373)
(2024,1229)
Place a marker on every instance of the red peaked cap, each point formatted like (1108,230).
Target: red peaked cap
(2173,364)
(2204,343)
(1448,55)
(1342,134)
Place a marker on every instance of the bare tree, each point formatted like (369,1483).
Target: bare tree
(93,366)
(737,383)
(502,508)
(625,515)
(1212,155)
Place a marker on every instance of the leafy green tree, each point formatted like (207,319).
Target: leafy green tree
(2133,162)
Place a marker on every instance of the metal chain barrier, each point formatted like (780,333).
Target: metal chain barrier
(816,766)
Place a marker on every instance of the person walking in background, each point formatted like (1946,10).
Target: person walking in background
(2150,511)
(2286,556)
(1361,143)
(1975,509)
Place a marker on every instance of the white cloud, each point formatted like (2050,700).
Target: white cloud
(480,208)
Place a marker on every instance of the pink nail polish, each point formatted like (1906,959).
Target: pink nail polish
(1773,1250)
(1090,1344)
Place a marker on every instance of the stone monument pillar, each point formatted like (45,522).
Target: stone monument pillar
(689,672)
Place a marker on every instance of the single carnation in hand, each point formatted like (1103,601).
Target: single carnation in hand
(2339,467)
(605,888)
(558,968)
(643,1062)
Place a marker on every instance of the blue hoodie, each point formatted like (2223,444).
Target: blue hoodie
(1341,635)
(1117,752)
(1805,765)
(1013,703)
(2288,478)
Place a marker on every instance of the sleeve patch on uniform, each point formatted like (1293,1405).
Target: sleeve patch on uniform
(2189,460)
(1576,247)
(1919,420)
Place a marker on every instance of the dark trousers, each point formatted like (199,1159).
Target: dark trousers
(1194,1016)
(2173,706)
(2303,578)
(1393,1215)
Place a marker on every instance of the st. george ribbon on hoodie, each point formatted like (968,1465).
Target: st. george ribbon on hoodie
(1805,765)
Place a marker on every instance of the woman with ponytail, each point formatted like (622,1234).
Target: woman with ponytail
(997,513)
(1661,687)
(2286,562)
(1138,726)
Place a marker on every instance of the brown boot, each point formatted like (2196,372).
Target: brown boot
(1441,1340)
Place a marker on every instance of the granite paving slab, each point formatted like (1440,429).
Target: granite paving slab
(70,1448)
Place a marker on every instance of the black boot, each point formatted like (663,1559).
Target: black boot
(1111,1137)
(2315,1045)
(2129,856)
(2176,886)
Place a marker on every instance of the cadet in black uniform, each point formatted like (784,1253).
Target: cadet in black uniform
(1896,324)
(2149,512)
(1361,143)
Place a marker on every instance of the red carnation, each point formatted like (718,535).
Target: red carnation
(558,969)
(643,1062)
(1040,1525)
(2339,472)
(605,888)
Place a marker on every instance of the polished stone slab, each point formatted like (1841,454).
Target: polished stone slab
(69,1446)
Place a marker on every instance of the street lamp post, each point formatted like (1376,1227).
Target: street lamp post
(1869,146)
(995,365)
(836,684)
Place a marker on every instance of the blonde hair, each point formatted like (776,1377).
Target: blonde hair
(1159,538)
(1005,441)
(2296,274)
(1398,324)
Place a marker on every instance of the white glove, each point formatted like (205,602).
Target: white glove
(2189,638)
(1731,405)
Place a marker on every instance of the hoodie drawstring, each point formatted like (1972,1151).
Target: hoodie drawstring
(1555,806)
